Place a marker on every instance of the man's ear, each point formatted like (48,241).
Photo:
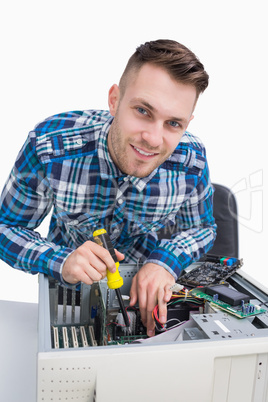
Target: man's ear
(191,118)
(113,99)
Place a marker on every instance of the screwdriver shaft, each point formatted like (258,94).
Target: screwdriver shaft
(122,306)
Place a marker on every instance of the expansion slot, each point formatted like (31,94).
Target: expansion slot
(73,304)
(64,304)
(74,337)
(56,306)
(92,336)
(65,338)
(83,337)
(56,337)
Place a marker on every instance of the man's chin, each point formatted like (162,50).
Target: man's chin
(141,172)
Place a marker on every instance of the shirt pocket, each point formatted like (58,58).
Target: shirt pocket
(152,215)
(159,208)
(144,227)
(49,147)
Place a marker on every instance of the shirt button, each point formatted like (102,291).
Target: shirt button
(120,201)
(125,179)
(74,222)
(79,141)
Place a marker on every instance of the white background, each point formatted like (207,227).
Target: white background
(60,55)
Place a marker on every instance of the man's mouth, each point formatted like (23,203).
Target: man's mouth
(142,152)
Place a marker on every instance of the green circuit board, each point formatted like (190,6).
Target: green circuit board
(247,311)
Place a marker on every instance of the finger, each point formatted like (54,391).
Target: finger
(168,293)
(93,274)
(76,276)
(133,292)
(142,298)
(83,273)
(153,300)
(94,262)
(150,324)
(162,306)
(102,254)
(83,262)
(120,256)
(151,303)
(84,278)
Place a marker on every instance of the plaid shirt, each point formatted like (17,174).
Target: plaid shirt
(65,166)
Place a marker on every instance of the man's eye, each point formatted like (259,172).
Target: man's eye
(174,124)
(141,110)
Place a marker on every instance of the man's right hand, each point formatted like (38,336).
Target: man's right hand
(88,263)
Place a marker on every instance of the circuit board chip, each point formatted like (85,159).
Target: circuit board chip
(227,295)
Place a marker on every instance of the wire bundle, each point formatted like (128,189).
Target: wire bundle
(184,296)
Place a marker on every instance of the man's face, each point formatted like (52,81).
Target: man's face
(149,120)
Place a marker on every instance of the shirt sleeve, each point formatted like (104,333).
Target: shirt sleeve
(25,201)
(195,233)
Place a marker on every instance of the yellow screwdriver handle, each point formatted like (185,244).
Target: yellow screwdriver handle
(114,280)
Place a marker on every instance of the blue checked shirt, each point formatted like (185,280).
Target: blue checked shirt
(65,166)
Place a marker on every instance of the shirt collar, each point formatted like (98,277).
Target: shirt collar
(140,183)
(108,170)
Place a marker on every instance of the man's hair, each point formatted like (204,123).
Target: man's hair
(179,62)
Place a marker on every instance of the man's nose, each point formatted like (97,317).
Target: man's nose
(153,134)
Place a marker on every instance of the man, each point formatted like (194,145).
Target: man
(132,171)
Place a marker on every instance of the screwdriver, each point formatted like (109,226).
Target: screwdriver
(114,280)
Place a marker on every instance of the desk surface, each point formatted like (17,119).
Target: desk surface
(18,351)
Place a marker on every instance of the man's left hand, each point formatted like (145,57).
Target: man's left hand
(151,286)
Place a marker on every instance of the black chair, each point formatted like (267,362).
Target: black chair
(225,214)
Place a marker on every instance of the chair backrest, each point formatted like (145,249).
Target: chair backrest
(225,214)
